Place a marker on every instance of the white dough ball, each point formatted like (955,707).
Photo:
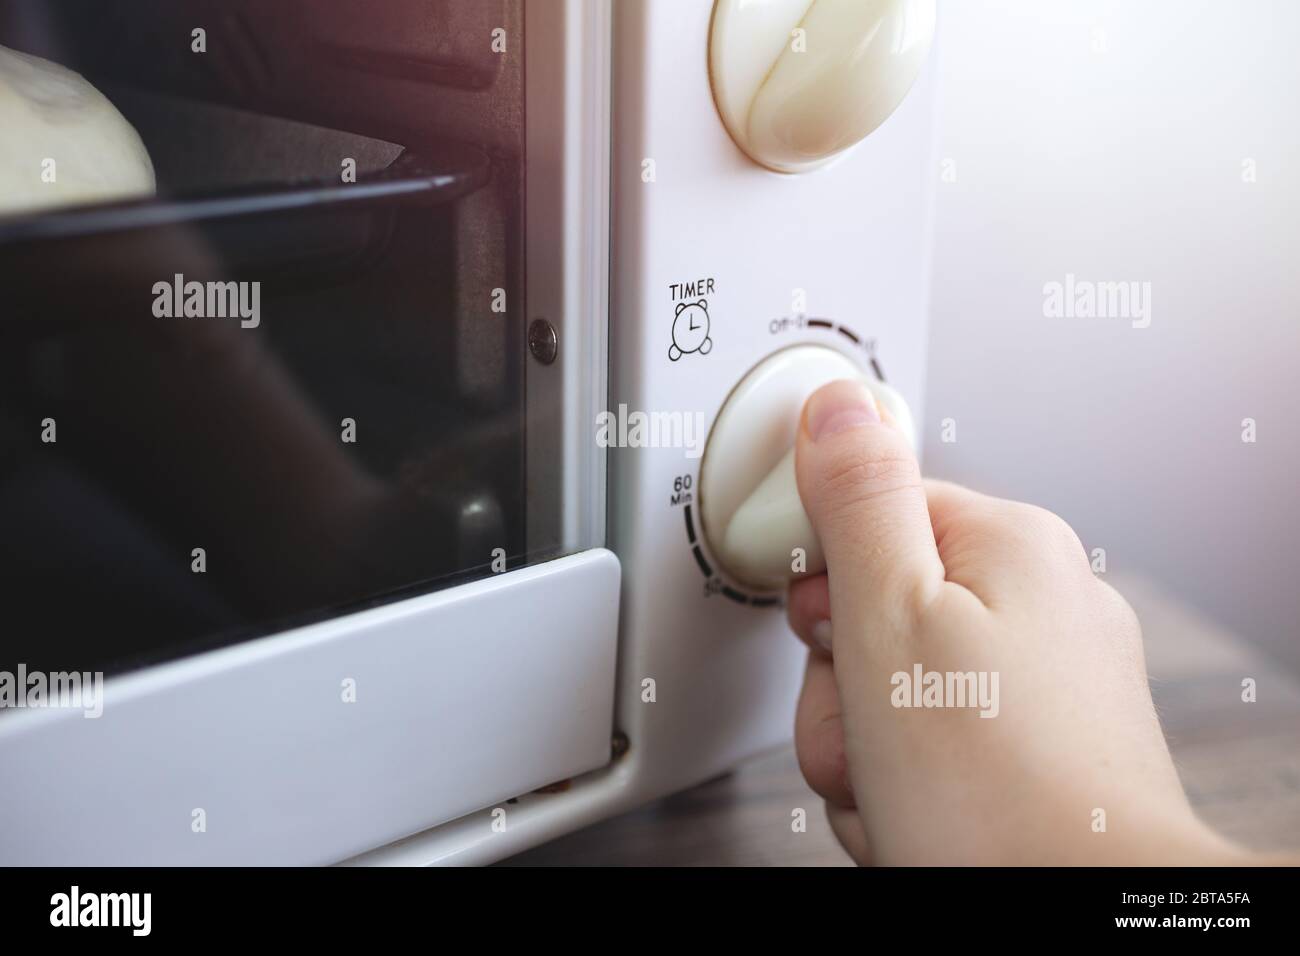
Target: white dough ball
(49,113)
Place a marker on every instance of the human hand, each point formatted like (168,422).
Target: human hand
(1057,755)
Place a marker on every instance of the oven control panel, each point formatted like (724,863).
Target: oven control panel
(772,183)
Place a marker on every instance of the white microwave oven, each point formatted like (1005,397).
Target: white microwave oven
(376,380)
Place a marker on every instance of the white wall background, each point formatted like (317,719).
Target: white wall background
(1109,140)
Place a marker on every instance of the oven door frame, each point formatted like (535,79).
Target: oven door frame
(567,234)
(461,698)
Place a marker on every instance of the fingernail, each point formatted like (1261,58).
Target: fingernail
(840,406)
(822,635)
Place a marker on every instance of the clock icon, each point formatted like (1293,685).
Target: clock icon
(690,330)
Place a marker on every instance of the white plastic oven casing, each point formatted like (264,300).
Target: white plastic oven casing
(490,690)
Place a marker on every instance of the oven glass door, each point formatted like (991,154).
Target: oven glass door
(265,352)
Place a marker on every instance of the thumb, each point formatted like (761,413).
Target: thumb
(861,486)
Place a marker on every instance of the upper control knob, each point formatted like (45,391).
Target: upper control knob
(799,81)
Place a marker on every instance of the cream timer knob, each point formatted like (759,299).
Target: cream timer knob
(749,501)
(799,81)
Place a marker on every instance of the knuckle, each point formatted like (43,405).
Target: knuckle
(1127,626)
(1052,531)
(856,475)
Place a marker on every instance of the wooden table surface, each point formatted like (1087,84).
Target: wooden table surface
(1240,763)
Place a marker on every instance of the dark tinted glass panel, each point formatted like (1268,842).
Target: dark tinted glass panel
(258,377)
